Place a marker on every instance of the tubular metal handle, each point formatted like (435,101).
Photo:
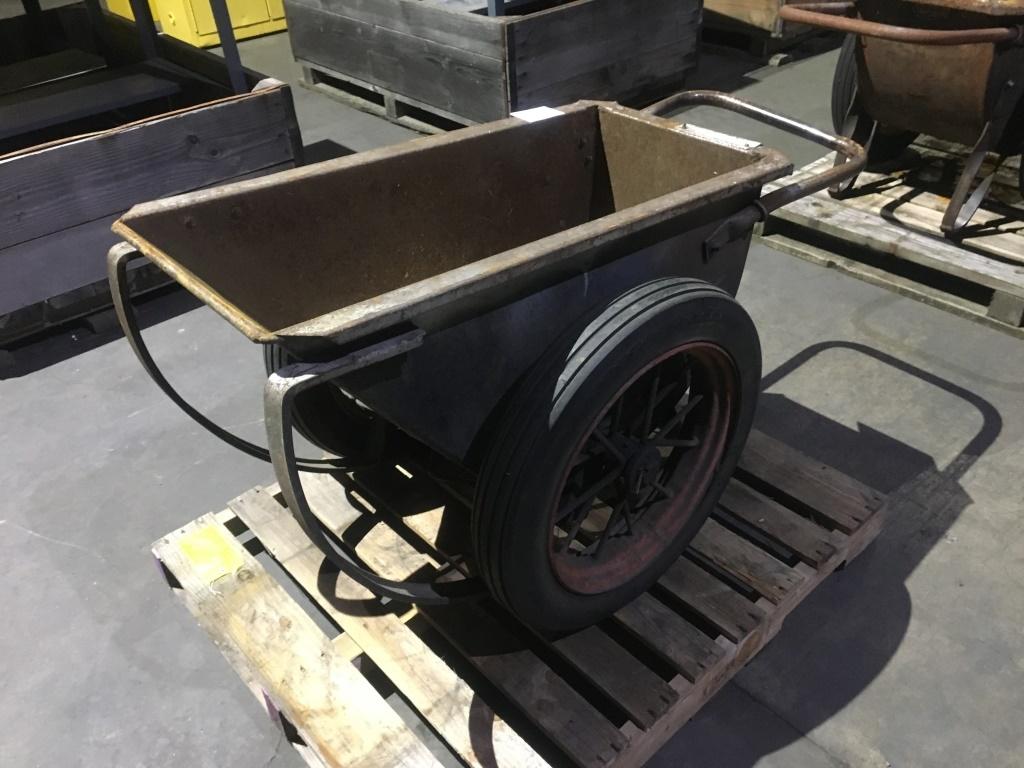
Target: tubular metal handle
(834,16)
(853,153)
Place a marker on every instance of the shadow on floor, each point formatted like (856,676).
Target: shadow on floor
(65,341)
(846,632)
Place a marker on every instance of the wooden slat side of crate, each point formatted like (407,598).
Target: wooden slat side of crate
(755,23)
(887,231)
(451,59)
(496,694)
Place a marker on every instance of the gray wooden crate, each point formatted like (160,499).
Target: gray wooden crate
(61,196)
(450,57)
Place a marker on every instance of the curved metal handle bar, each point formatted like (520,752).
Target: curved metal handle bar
(117,273)
(832,16)
(279,395)
(846,148)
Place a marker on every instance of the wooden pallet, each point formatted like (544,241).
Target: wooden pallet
(493,693)
(377,100)
(888,233)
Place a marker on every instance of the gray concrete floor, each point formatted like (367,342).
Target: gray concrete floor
(912,656)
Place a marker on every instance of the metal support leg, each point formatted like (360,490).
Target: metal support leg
(146,28)
(222,18)
(964,203)
(495,7)
(279,396)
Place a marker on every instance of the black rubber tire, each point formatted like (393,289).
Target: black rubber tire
(547,415)
(332,420)
(887,144)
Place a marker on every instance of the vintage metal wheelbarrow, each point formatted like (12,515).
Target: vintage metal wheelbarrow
(953,69)
(549,305)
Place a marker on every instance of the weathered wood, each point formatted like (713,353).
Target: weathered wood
(640,692)
(728,611)
(78,181)
(453,78)
(446,701)
(51,66)
(88,95)
(602,49)
(809,541)
(331,705)
(669,629)
(467,66)
(677,641)
(744,561)
(833,496)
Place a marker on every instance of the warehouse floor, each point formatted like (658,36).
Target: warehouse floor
(912,656)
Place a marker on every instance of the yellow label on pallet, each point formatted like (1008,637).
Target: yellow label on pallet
(212,552)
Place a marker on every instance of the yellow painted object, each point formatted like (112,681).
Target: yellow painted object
(192,20)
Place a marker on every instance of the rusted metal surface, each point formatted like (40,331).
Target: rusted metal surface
(925,89)
(352,246)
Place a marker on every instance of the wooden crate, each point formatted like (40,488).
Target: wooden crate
(888,233)
(450,58)
(64,184)
(495,694)
(754,25)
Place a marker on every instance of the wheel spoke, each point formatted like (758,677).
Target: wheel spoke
(609,445)
(588,494)
(616,511)
(651,402)
(679,416)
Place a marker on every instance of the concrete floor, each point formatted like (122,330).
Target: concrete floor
(913,656)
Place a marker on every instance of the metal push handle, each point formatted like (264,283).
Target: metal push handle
(833,15)
(853,153)
(118,259)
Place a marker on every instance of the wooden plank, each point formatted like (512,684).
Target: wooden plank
(901,285)
(677,641)
(448,703)
(332,706)
(832,495)
(78,98)
(577,727)
(834,218)
(86,179)
(601,49)
(895,202)
(745,562)
(812,543)
(579,730)
(616,672)
(48,67)
(450,27)
(730,612)
(454,79)
(763,14)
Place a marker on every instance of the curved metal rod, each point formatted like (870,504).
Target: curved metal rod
(832,16)
(278,400)
(117,273)
(854,154)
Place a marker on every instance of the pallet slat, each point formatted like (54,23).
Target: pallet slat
(332,706)
(605,696)
(445,700)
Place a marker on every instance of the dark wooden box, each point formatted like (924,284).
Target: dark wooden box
(450,58)
(63,185)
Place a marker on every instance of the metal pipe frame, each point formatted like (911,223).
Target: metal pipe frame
(832,15)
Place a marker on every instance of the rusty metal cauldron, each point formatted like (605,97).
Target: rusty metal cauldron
(953,69)
(547,307)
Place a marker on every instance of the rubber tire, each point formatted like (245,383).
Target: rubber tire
(331,420)
(888,144)
(542,423)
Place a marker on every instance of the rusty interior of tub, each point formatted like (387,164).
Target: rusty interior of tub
(288,248)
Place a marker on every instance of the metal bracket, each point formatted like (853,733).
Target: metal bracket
(279,395)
